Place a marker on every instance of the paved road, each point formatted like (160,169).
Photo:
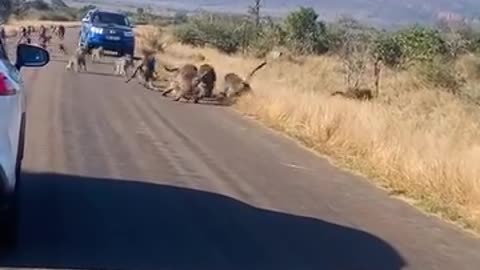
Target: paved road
(117,177)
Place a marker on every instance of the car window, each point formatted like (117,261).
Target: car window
(110,18)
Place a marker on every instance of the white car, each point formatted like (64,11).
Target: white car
(12,132)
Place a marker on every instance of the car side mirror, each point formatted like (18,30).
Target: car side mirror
(31,56)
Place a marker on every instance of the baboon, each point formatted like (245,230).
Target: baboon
(363,94)
(44,40)
(122,65)
(207,83)
(43,31)
(24,35)
(60,30)
(235,86)
(355,93)
(78,59)
(97,54)
(275,54)
(62,48)
(185,83)
(146,67)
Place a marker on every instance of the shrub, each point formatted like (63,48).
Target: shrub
(345,29)
(440,73)
(6,10)
(410,45)
(56,16)
(180,17)
(387,49)
(268,37)
(420,43)
(222,34)
(189,34)
(304,34)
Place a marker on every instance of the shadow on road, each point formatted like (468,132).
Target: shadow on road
(104,74)
(80,222)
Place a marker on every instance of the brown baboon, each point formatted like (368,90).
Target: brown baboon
(24,36)
(42,35)
(60,31)
(78,60)
(275,54)
(44,40)
(186,82)
(355,93)
(97,54)
(207,83)
(146,67)
(122,65)
(62,48)
(235,86)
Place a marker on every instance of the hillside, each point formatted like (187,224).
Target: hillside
(378,12)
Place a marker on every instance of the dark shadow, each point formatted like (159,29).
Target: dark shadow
(59,59)
(74,222)
(64,59)
(99,73)
(213,102)
(106,63)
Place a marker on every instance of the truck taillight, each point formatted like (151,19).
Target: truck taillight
(6,88)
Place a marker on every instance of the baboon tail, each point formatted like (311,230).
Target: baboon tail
(336,93)
(170,69)
(250,75)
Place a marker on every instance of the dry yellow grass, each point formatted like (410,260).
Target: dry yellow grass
(414,140)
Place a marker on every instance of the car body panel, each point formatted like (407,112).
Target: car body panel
(12,108)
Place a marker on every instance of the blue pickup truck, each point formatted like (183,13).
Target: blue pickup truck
(112,31)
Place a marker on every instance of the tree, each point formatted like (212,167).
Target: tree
(180,17)
(5,10)
(254,11)
(304,34)
(456,34)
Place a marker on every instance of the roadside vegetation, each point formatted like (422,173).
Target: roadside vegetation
(58,10)
(419,136)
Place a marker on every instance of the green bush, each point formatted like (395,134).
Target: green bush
(266,39)
(55,16)
(222,34)
(348,30)
(387,49)
(410,45)
(440,73)
(6,10)
(420,43)
(304,33)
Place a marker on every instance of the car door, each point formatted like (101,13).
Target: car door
(12,104)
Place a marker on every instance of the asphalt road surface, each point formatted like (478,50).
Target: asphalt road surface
(118,177)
